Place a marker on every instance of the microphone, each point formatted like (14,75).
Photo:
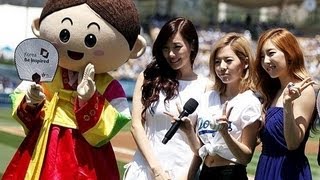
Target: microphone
(189,107)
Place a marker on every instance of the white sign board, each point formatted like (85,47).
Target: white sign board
(36,60)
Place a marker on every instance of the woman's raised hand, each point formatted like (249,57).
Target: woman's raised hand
(224,119)
(186,126)
(293,91)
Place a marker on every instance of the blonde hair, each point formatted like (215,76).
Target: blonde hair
(242,48)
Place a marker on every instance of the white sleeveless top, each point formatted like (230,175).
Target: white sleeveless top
(246,110)
(175,156)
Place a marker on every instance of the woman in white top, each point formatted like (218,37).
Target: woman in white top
(228,116)
(167,81)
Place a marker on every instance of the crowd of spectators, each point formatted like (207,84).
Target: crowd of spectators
(6,85)
(207,37)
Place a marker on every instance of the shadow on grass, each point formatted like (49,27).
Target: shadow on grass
(10,140)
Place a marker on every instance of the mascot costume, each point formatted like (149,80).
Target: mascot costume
(69,122)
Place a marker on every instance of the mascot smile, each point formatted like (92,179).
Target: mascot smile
(70,121)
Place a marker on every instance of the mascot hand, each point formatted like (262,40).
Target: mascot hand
(34,95)
(87,86)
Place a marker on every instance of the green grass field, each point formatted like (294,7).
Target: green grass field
(9,143)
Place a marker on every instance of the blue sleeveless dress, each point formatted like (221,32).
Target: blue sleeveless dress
(276,162)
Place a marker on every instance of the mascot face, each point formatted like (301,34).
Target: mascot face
(82,36)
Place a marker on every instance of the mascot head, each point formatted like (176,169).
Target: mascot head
(104,33)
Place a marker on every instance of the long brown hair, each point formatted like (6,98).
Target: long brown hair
(288,44)
(285,41)
(158,75)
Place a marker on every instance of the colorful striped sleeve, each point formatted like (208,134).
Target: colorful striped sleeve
(27,117)
(103,116)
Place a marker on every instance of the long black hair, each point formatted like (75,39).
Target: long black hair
(158,75)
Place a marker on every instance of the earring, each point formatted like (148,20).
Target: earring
(246,74)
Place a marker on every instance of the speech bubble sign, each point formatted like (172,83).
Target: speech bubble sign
(36,60)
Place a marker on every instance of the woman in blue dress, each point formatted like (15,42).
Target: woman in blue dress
(289,103)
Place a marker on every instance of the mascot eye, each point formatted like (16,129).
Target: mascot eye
(90,40)
(64,35)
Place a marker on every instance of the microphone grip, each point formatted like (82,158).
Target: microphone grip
(173,129)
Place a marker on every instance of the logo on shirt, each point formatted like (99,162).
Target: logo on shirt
(204,127)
